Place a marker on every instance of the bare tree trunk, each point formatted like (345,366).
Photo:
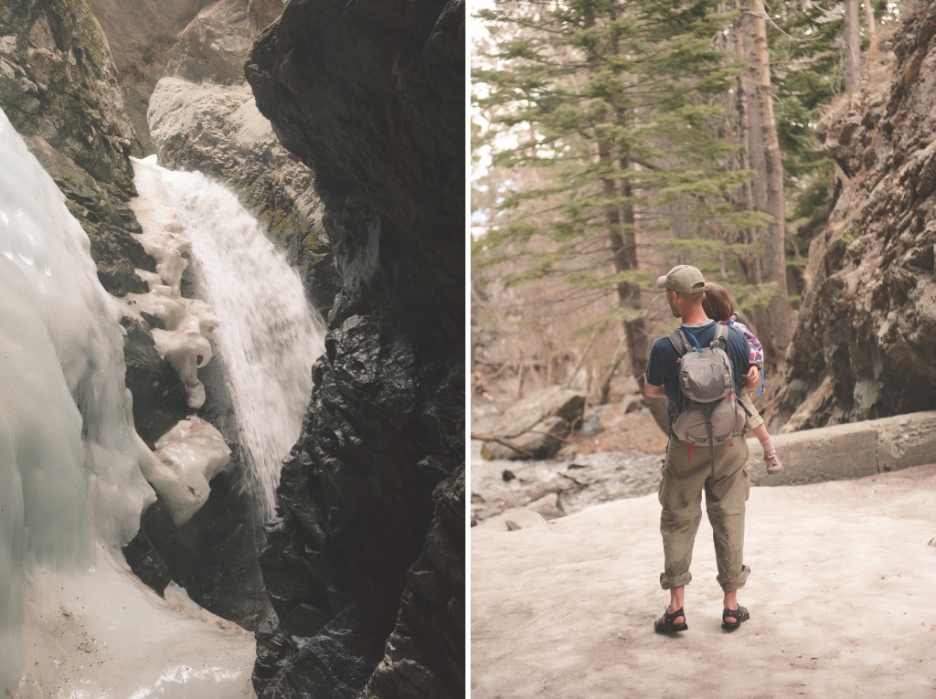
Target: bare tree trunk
(605,390)
(777,337)
(623,244)
(869,16)
(852,47)
(625,258)
(623,241)
(751,271)
(872,29)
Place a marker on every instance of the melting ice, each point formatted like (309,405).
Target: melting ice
(73,620)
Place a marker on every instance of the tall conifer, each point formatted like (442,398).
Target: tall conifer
(618,101)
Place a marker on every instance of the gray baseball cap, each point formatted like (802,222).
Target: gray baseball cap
(683,279)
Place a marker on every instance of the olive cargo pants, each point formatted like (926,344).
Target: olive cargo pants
(685,476)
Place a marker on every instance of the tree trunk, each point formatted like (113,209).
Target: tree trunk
(773,267)
(852,46)
(625,258)
(872,30)
(604,392)
(869,16)
(623,244)
(751,270)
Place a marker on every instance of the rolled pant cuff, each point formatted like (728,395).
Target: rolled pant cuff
(676,581)
(735,583)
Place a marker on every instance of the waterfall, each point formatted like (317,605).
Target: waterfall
(268,335)
(73,620)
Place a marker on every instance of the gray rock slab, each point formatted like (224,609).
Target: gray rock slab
(848,451)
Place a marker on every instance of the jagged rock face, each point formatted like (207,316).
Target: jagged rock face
(59,89)
(217,130)
(864,344)
(192,39)
(366,563)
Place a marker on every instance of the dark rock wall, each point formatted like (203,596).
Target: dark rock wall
(366,560)
(864,344)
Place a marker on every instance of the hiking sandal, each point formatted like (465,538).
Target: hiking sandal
(773,462)
(739,615)
(666,623)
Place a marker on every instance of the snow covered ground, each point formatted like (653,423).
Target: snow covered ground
(102,633)
(841,600)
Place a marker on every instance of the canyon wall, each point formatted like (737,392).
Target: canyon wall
(60,88)
(863,347)
(365,565)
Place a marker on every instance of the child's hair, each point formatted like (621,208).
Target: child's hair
(716,302)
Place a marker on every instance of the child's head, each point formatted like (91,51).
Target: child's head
(717,302)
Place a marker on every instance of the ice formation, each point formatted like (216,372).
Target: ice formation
(188,457)
(268,335)
(184,342)
(71,489)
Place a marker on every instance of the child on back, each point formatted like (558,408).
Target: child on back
(717,305)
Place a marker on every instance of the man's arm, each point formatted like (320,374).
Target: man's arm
(654,391)
(654,377)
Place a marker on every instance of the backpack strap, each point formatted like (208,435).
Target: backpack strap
(679,342)
(678,338)
(721,336)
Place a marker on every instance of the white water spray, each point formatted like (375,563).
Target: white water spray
(268,336)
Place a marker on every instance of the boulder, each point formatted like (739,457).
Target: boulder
(514,519)
(535,427)
(197,40)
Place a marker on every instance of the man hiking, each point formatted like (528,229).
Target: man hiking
(699,368)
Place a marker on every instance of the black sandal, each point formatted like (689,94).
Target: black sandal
(665,624)
(739,615)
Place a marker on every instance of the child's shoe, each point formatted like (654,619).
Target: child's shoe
(773,462)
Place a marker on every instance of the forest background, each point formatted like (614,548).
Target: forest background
(613,140)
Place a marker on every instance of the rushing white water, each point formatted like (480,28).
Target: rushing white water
(73,620)
(268,336)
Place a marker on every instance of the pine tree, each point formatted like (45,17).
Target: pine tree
(620,102)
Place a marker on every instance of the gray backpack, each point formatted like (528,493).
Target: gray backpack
(707,411)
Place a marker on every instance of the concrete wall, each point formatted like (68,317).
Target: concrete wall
(848,451)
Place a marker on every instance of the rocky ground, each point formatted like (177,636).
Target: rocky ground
(621,461)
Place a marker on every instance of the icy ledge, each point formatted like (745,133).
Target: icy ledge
(187,457)
(184,342)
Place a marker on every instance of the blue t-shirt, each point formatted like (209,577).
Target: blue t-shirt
(663,369)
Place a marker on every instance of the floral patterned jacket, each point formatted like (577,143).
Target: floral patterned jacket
(755,348)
